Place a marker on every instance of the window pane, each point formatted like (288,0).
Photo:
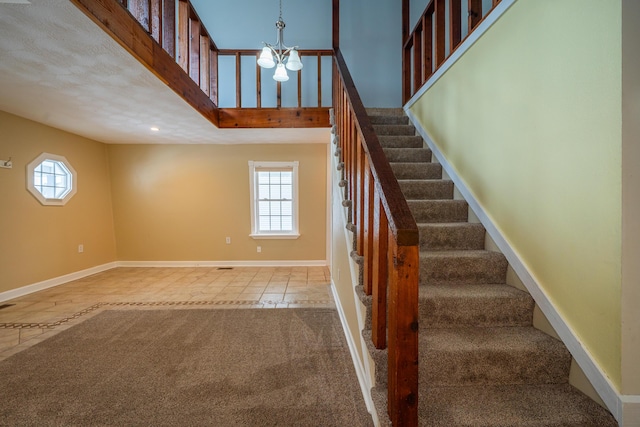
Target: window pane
(263,192)
(48,192)
(286,192)
(264,223)
(275,192)
(286,177)
(287,223)
(275,178)
(275,208)
(275,223)
(59,192)
(263,177)
(287,208)
(263,208)
(47,166)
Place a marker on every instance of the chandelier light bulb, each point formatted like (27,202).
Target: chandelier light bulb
(281,73)
(266,58)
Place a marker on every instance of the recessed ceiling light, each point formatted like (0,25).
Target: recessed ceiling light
(155,128)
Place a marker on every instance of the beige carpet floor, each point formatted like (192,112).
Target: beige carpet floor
(227,367)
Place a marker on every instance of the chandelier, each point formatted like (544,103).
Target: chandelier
(275,55)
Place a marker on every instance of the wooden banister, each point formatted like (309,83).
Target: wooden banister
(422,54)
(170,39)
(387,239)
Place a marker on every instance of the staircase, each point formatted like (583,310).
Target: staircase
(482,363)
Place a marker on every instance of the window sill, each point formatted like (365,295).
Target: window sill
(274,236)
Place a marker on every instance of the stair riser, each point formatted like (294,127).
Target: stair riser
(439,211)
(440,237)
(417,170)
(479,312)
(427,190)
(544,365)
(394,130)
(408,155)
(462,270)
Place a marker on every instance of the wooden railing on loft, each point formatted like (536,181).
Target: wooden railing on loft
(387,239)
(428,45)
(169,38)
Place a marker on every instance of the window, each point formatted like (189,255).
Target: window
(274,200)
(51,179)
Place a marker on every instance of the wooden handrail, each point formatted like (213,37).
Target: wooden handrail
(387,240)
(422,54)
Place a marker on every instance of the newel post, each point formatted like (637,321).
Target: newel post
(403,333)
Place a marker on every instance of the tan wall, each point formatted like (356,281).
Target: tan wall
(530,118)
(179,202)
(41,242)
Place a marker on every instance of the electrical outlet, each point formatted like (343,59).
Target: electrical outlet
(259,249)
(80,249)
(228,240)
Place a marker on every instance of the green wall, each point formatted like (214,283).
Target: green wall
(530,118)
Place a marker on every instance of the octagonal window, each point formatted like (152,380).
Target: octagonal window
(51,179)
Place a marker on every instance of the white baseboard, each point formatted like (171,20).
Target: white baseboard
(357,363)
(624,408)
(296,263)
(49,283)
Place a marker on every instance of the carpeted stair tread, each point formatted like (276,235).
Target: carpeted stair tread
(462,267)
(553,405)
(385,112)
(389,120)
(478,305)
(426,189)
(495,355)
(439,210)
(407,155)
(422,170)
(451,236)
(400,141)
(394,130)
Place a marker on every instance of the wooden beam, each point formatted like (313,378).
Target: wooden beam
(274,118)
(123,28)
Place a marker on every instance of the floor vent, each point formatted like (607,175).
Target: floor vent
(225,268)
(6,306)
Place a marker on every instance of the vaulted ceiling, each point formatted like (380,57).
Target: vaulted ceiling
(59,68)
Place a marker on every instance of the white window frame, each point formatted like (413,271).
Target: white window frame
(31,167)
(255,167)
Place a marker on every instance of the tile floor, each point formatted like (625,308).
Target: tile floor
(33,318)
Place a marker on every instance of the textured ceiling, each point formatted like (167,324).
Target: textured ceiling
(59,68)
